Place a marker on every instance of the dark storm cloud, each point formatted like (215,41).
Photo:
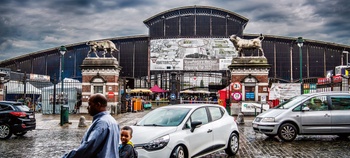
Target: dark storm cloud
(32,25)
(335,15)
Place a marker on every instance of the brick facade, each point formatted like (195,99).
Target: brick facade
(100,74)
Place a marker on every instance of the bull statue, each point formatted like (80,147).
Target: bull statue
(106,46)
(254,43)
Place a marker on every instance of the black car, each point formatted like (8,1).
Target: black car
(15,118)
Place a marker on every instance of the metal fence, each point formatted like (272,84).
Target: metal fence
(45,96)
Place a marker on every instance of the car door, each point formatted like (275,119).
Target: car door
(5,113)
(221,128)
(316,120)
(340,113)
(201,138)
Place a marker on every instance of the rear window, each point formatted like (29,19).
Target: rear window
(215,113)
(340,102)
(23,107)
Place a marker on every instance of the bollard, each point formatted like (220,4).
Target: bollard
(112,109)
(240,118)
(82,122)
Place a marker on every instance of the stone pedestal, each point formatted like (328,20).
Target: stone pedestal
(100,75)
(249,74)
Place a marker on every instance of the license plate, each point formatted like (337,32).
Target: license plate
(255,125)
(31,116)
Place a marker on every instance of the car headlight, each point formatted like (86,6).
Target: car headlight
(268,119)
(158,143)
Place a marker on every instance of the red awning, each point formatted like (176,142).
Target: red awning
(156,89)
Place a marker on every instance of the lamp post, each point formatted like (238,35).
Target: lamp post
(62,50)
(173,83)
(300,42)
(25,86)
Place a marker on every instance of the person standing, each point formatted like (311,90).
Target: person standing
(158,99)
(126,149)
(102,137)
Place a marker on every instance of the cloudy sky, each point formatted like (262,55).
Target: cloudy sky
(28,26)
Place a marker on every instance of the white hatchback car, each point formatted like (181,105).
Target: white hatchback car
(185,130)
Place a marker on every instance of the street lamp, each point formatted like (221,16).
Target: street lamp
(300,42)
(173,83)
(62,50)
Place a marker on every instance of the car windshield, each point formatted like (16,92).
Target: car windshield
(291,102)
(164,117)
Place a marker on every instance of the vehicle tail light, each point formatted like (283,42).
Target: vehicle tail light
(18,114)
(23,125)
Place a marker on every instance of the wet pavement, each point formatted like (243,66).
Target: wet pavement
(52,140)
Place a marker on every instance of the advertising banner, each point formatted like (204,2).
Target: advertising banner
(284,90)
(191,54)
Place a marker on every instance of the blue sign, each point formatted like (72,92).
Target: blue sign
(249,95)
(172,96)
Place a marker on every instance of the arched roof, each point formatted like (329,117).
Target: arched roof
(181,12)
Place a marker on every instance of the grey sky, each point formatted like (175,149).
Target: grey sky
(32,25)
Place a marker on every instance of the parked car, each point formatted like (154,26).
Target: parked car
(15,118)
(184,131)
(326,113)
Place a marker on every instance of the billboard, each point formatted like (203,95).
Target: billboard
(191,54)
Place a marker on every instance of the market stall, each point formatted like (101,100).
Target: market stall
(139,99)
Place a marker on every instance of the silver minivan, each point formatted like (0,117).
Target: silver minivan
(325,113)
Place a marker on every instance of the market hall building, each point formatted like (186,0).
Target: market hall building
(192,42)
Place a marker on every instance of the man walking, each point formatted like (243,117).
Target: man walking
(101,140)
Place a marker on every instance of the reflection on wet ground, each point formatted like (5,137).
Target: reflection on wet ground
(55,141)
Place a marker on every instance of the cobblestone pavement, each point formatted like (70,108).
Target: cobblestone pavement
(52,140)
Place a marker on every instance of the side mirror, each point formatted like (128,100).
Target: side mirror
(306,109)
(195,124)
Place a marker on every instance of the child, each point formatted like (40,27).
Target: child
(126,149)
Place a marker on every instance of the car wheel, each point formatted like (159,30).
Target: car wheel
(287,132)
(20,133)
(178,152)
(233,145)
(5,131)
(271,135)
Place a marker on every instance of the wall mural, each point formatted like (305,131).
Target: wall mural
(193,54)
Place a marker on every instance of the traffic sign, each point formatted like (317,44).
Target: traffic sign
(237,96)
(263,99)
(172,96)
(110,94)
(237,86)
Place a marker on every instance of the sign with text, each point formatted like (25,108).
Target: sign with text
(253,107)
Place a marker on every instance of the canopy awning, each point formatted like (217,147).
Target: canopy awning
(19,89)
(187,91)
(140,90)
(157,89)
